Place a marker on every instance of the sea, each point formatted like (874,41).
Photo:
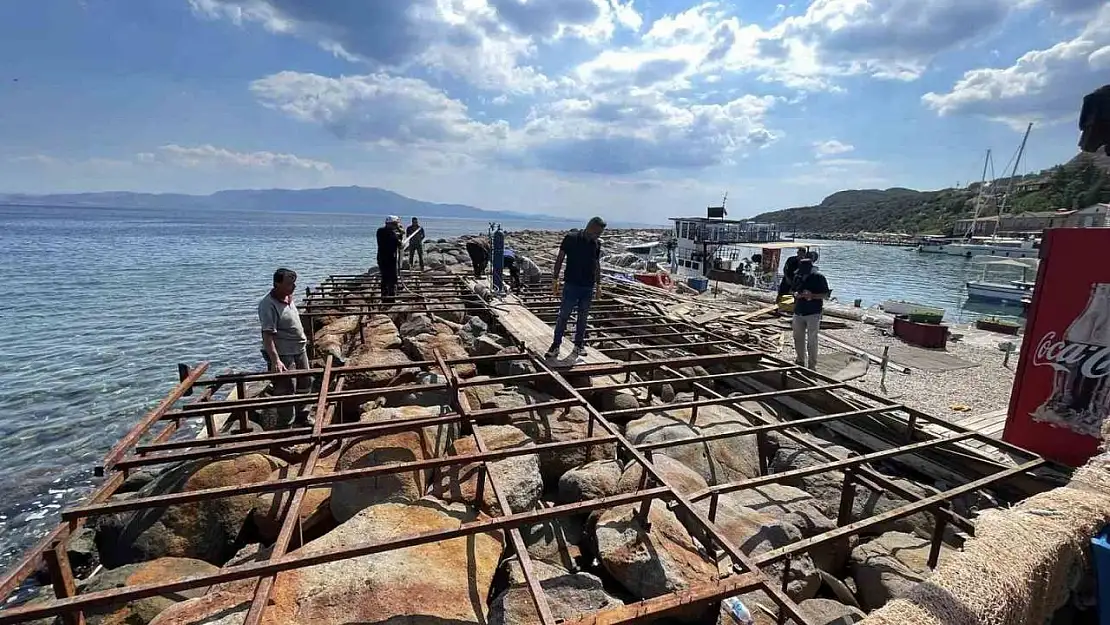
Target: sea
(102,303)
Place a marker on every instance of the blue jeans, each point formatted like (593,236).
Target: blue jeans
(574,297)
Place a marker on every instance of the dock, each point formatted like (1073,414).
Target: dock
(641,339)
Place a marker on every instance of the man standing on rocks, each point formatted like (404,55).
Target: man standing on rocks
(415,235)
(389,248)
(283,344)
(811,289)
(582,251)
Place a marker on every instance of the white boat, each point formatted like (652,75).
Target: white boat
(902,307)
(1004,248)
(1005,291)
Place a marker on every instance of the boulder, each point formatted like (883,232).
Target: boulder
(350,496)
(620,399)
(518,477)
(444,582)
(827,487)
(568,596)
(785,503)
(888,566)
(719,461)
(830,612)
(365,356)
(481,396)
(379,332)
(556,542)
(654,562)
(678,475)
(486,345)
(335,337)
(315,511)
(142,611)
(81,552)
(548,425)
(592,480)
(416,325)
(512,367)
(423,347)
(756,533)
(206,530)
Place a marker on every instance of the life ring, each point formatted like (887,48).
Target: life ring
(665,279)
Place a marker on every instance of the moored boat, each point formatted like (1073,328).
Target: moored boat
(902,307)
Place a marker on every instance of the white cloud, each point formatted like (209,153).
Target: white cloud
(37,159)
(1046,85)
(831,147)
(377,109)
(212,156)
(836,174)
(486,42)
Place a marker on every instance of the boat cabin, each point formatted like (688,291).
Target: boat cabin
(702,243)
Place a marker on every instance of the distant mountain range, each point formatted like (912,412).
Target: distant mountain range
(370,200)
(1081,182)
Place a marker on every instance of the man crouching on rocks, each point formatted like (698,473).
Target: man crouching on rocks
(283,344)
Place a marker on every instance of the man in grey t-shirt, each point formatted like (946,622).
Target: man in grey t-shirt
(283,344)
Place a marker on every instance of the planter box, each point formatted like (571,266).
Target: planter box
(932,335)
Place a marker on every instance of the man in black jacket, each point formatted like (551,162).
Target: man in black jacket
(415,235)
(788,271)
(811,289)
(389,248)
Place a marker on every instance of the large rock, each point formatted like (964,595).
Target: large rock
(367,355)
(315,512)
(416,325)
(720,461)
(548,425)
(557,542)
(592,480)
(888,566)
(481,396)
(830,612)
(518,477)
(206,530)
(335,337)
(649,563)
(444,582)
(756,533)
(379,332)
(568,596)
(826,487)
(350,496)
(684,479)
(620,399)
(423,347)
(785,503)
(142,611)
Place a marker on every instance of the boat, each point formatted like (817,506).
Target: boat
(1009,291)
(994,246)
(902,307)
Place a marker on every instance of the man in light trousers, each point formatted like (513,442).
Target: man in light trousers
(810,289)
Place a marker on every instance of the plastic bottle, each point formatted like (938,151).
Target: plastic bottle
(738,611)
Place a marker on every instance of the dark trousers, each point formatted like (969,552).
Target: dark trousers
(388,270)
(417,249)
(514,272)
(575,297)
(479,258)
(290,385)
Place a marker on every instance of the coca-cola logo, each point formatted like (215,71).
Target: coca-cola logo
(1093,361)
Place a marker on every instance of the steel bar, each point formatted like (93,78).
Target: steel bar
(775,478)
(775,555)
(133,436)
(585,390)
(462,405)
(310,481)
(61,577)
(289,562)
(659,607)
(713,536)
(717,401)
(611,368)
(614,350)
(290,517)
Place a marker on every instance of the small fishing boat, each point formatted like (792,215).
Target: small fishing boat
(991,289)
(902,307)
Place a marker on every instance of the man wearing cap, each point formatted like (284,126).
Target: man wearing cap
(582,251)
(810,289)
(389,247)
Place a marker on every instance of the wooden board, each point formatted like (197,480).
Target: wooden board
(530,330)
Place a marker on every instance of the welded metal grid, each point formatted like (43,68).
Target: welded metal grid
(652,358)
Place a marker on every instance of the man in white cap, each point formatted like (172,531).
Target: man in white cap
(389,246)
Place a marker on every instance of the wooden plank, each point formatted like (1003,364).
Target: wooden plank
(527,328)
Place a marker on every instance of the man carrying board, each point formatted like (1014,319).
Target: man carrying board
(414,240)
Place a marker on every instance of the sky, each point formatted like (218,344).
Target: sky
(634,109)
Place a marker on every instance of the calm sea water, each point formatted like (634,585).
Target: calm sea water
(101,304)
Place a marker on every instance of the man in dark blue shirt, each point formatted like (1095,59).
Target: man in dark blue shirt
(810,291)
(582,251)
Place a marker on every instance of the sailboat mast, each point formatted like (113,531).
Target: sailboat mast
(979,197)
(1013,174)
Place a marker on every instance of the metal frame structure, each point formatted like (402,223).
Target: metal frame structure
(655,350)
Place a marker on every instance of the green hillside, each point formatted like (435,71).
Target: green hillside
(1081,182)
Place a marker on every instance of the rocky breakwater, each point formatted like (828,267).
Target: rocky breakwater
(584,563)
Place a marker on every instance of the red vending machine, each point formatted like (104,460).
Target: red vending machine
(1061,389)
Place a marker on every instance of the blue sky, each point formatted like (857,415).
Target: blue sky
(637,109)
